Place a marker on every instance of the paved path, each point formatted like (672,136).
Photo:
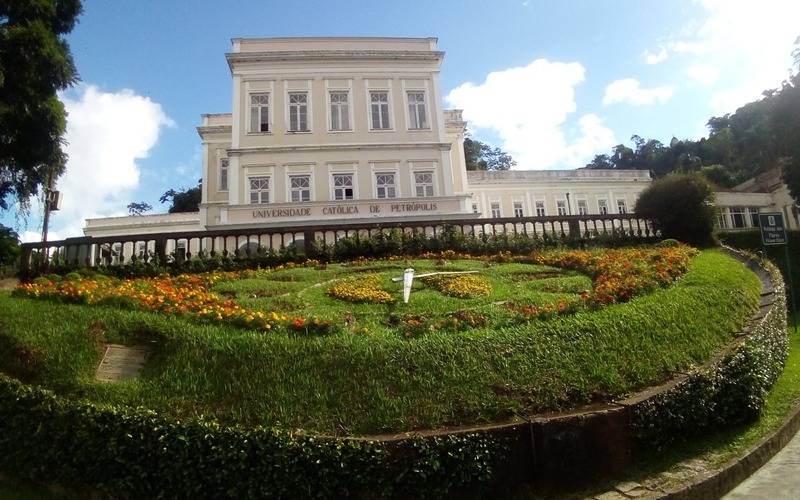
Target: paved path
(777,479)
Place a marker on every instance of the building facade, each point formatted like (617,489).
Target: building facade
(332,130)
(739,206)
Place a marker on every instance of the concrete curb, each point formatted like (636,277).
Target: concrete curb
(718,483)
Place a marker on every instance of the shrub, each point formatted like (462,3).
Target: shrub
(668,243)
(681,207)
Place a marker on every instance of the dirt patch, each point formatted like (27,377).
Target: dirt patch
(540,275)
(8,283)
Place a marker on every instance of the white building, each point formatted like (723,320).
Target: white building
(766,192)
(332,130)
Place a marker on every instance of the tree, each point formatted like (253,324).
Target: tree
(35,64)
(9,246)
(482,156)
(139,208)
(185,200)
(681,206)
(601,162)
(791,176)
(718,175)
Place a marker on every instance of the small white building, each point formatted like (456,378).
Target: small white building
(738,207)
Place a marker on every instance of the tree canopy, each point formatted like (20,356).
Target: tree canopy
(35,63)
(184,200)
(9,246)
(681,206)
(482,156)
(759,136)
(139,208)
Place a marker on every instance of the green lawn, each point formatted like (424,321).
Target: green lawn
(381,382)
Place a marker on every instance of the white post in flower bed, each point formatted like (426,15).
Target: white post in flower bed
(408,279)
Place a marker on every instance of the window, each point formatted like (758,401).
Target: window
(753,216)
(561,207)
(416,110)
(423,181)
(379,109)
(602,207)
(385,185)
(299,188)
(622,207)
(518,210)
(583,207)
(342,186)
(223,174)
(340,114)
(259,189)
(540,210)
(298,112)
(475,209)
(140,249)
(722,221)
(495,206)
(738,217)
(259,113)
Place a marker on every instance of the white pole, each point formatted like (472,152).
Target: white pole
(408,279)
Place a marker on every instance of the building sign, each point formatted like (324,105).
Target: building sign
(773,231)
(342,210)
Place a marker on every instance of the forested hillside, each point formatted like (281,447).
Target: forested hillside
(759,136)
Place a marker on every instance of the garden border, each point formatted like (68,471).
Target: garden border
(136,452)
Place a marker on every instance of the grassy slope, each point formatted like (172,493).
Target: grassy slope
(362,384)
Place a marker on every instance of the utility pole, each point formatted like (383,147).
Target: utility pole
(46,219)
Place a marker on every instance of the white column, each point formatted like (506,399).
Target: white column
(235,185)
(236,127)
(447,173)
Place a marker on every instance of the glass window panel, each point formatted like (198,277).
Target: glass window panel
(223,174)
(259,113)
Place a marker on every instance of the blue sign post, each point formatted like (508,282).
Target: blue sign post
(773,232)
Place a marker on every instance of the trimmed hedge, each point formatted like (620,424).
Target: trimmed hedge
(135,452)
(729,392)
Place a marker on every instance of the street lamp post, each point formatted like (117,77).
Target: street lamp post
(569,206)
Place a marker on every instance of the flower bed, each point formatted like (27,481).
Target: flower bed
(621,274)
(618,275)
(464,286)
(365,288)
(186,295)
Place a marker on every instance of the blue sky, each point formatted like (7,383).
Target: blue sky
(566,80)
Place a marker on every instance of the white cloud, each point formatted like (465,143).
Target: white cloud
(528,107)
(629,90)
(702,74)
(655,57)
(107,133)
(748,44)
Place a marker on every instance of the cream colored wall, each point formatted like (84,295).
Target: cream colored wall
(529,193)
(318,84)
(250,45)
(777,201)
(321,166)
